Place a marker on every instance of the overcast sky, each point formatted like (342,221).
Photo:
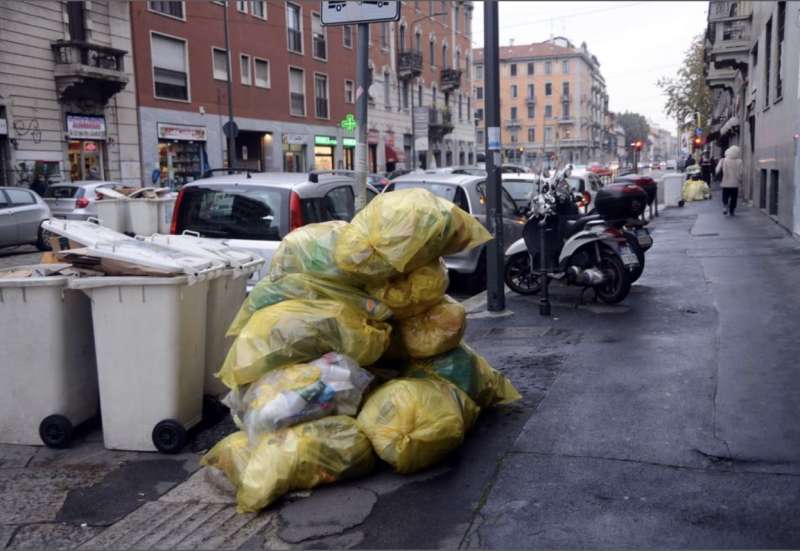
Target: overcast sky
(635,42)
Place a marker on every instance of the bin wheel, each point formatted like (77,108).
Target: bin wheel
(56,431)
(169,436)
(214,411)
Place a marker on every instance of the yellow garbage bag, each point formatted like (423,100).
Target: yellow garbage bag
(413,423)
(695,190)
(434,331)
(470,372)
(307,287)
(295,331)
(400,231)
(309,250)
(230,455)
(414,293)
(302,457)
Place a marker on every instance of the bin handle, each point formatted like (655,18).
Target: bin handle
(191,233)
(94,220)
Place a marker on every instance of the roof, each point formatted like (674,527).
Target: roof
(438,178)
(275,179)
(537,49)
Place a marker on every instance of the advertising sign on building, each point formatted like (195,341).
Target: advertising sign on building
(294,139)
(84,127)
(181,132)
(347,12)
(421,120)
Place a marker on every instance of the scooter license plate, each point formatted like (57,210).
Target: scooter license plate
(628,257)
(644,238)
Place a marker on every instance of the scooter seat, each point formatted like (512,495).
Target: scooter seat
(574,226)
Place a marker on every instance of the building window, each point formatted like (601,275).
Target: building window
(479,137)
(170,75)
(767,62)
(319,44)
(779,51)
(565,66)
(530,68)
(349,92)
(406,92)
(347,36)
(241,5)
(432,50)
(532,134)
(548,67)
(443,11)
(478,72)
(416,5)
(479,92)
(384,36)
(469,106)
(431,9)
(479,114)
(418,42)
(433,96)
(220,63)
(513,113)
(321,96)
(387,96)
(457,11)
(531,110)
(565,91)
(419,96)
(294,28)
(548,89)
(467,70)
(244,69)
(297,92)
(513,69)
(444,56)
(259,8)
(548,111)
(513,90)
(261,70)
(565,110)
(172,9)
(513,138)
(548,134)
(460,107)
(401,37)
(531,91)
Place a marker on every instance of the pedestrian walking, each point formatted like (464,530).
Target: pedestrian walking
(730,170)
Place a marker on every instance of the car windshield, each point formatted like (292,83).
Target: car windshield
(232,213)
(61,192)
(445,191)
(519,189)
(574,183)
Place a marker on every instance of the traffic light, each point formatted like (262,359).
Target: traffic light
(637,145)
(697,142)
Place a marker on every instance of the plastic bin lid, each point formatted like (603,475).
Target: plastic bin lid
(210,248)
(151,255)
(33,275)
(84,232)
(107,193)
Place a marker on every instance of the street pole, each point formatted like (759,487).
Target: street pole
(231,135)
(413,129)
(495,292)
(362,87)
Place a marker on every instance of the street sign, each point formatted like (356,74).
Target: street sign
(229,127)
(698,131)
(348,12)
(493,138)
(349,122)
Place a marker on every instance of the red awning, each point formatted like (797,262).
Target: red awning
(391,154)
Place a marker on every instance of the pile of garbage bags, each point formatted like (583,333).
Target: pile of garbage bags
(349,350)
(695,190)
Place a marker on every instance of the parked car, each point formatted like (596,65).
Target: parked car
(470,170)
(469,193)
(254,211)
(522,187)
(22,212)
(75,200)
(672,164)
(587,183)
(378,181)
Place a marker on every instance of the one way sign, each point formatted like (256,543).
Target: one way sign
(347,12)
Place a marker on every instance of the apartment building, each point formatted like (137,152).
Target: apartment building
(553,103)
(422,64)
(293,83)
(67,97)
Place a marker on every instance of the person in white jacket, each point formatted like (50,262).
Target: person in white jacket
(730,169)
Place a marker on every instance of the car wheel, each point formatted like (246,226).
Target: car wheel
(43,240)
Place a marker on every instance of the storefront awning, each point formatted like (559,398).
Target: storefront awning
(391,154)
(732,123)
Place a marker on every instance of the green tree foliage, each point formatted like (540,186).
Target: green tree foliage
(635,127)
(688,91)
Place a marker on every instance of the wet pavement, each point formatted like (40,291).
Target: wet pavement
(667,421)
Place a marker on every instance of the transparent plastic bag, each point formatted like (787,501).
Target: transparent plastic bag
(414,423)
(310,250)
(306,287)
(414,293)
(434,331)
(295,331)
(302,457)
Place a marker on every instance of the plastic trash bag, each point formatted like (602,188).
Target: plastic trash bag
(302,457)
(434,331)
(414,293)
(295,331)
(230,455)
(470,372)
(402,230)
(695,190)
(307,287)
(331,385)
(309,250)
(413,423)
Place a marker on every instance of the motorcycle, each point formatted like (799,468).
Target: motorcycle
(559,244)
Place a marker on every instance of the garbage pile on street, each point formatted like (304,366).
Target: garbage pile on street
(695,189)
(349,349)
(140,211)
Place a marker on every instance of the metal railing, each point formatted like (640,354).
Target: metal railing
(409,63)
(70,52)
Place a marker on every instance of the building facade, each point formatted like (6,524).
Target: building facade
(422,64)
(293,82)
(751,66)
(553,103)
(67,95)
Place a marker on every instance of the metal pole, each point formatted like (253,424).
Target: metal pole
(413,128)
(231,136)
(362,87)
(495,292)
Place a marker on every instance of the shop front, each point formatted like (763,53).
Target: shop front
(294,152)
(349,148)
(254,150)
(181,153)
(86,147)
(373,138)
(324,152)
(5,172)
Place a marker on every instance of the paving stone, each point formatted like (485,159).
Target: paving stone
(13,456)
(329,511)
(52,536)
(200,488)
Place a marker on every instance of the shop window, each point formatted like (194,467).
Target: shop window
(261,70)
(170,74)
(244,69)
(321,96)
(297,92)
(219,59)
(294,28)
(319,43)
(85,160)
(171,9)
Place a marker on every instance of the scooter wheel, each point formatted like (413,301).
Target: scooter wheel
(169,436)
(618,285)
(56,431)
(518,276)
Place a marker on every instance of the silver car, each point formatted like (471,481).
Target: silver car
(22,212)
(75,200)
(469,193)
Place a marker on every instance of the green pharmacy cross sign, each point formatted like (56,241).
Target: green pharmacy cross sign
(349,122)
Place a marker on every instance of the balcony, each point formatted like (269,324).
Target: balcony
(450,80)
(512,123)
(88,71)
(409,64)
(530,100)
(729,10)
(440,123)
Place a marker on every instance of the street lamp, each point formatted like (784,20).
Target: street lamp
(413,123)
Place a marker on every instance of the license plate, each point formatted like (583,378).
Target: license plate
(644,238)
(628,257)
